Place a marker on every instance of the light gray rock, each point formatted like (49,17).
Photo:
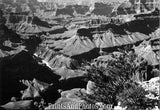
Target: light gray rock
(90,87)
(69,99)
(20,105)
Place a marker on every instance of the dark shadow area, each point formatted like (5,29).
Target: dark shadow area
(32,43)
(146,26)
(102,9)
(80,9)
(15,18)
(39,22)
(84,32)
(6,34)
(87,56)
(68,10)
(5,48)
(123,11)
(58,31)
(51,95)
(73,83)
(23,66)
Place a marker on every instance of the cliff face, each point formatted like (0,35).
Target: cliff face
(103,9)
(7,34)
(19,6)
(148,4)
(63,51)
(18,67)
(76,7)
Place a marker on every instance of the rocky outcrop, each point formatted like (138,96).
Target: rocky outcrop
(97,7)
(29,24)
(19,105)
(64,66)
(78,45)
(70,95)
(144,50)
(63,50)
(153,87)
(56,60)
(137,7)
(23,66)
(90,87)
(69,99)
(155,41)
(86,41)
(34,90)
(10,42)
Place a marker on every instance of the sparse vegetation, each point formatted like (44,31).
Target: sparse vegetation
(43,44)
(133,96)
(115,83)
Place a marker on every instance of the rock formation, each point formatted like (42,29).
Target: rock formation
(45,45)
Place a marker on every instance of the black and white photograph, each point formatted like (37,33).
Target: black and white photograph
(79,54)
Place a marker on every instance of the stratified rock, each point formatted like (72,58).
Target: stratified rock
(56,60)
(10,42)
(63,66)
(109,39)
(155,41)
(77,45)
(20,105)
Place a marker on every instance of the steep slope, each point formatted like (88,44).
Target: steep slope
(55,60)
(22,66)
(10,42)
(107,40)
(78,45)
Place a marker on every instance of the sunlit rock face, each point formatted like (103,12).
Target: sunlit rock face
(19,105)
(55,60)
(70,7)
(23,30)
(147,4)
(137,6)
(152,86)
(67,7)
